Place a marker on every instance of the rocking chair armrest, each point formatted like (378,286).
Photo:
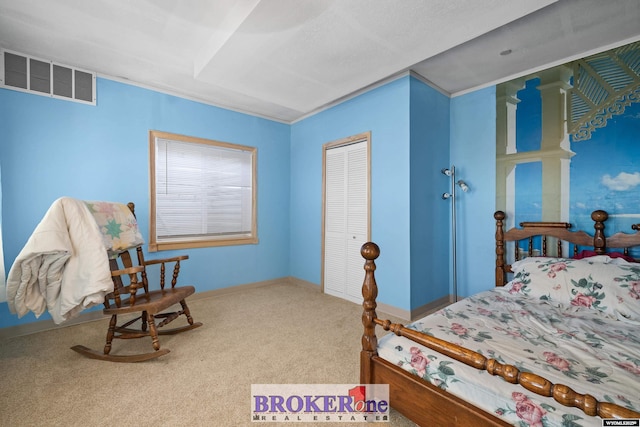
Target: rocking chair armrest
(164,274)
(165,260)
(130,270)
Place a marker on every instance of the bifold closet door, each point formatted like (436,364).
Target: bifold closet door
(346,219)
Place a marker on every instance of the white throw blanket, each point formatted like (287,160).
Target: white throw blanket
(64,266)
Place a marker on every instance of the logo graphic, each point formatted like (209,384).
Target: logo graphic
(320,403)
(621,422)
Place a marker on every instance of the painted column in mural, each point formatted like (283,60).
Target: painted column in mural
(506,106)
(555,151)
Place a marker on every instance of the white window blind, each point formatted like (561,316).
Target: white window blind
(203,192)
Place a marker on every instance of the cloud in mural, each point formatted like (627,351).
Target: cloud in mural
(623,182)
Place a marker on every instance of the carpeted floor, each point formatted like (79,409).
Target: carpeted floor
(277,334)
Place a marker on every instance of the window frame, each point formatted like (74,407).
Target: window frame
(186,243)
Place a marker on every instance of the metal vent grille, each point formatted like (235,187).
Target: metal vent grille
(25,73)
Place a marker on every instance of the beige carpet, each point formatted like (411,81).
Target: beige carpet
(275,334)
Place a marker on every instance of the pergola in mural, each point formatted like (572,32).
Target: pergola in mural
(577,98)
(603,86)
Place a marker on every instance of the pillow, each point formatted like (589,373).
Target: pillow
(611,286)
(118,226)
(587,254)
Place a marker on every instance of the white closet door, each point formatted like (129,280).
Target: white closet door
(346,219)
(357,218)
(335,228)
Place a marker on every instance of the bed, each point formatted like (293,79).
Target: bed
(556,342)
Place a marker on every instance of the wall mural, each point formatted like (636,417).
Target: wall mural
(547,173)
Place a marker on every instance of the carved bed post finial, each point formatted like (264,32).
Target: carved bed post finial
(599,241)
(500,274)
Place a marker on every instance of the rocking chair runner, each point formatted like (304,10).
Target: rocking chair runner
(136,297)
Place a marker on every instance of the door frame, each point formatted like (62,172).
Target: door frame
(364,136)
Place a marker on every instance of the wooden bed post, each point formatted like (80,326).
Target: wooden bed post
(500,273)
(425,403)
(369,251)
(599,242)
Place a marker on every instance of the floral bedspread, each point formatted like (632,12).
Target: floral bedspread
(581,348)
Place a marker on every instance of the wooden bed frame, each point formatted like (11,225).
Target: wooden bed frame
(428,405)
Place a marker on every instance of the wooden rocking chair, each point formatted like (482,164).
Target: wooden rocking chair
(131,294)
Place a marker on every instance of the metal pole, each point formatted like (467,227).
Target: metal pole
(451,173)
(453,233)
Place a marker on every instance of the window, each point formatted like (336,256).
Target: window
(203,192)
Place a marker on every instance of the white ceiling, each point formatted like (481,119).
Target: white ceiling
(286,59)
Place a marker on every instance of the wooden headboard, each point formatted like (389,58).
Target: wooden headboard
(553,235)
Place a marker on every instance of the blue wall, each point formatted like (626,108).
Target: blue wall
(385,112)
(411,133)
(52,148)
(473,151)
(429,212)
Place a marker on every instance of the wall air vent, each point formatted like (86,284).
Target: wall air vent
(25,73)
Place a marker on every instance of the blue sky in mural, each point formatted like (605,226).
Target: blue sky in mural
(605,171)
(528,136)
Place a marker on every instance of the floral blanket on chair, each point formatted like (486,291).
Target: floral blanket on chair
(118,225)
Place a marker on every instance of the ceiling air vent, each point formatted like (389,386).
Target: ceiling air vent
(25,73)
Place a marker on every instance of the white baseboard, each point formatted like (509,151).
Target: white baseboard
(431,307)
(91,316)
(48,324)
(416,313)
